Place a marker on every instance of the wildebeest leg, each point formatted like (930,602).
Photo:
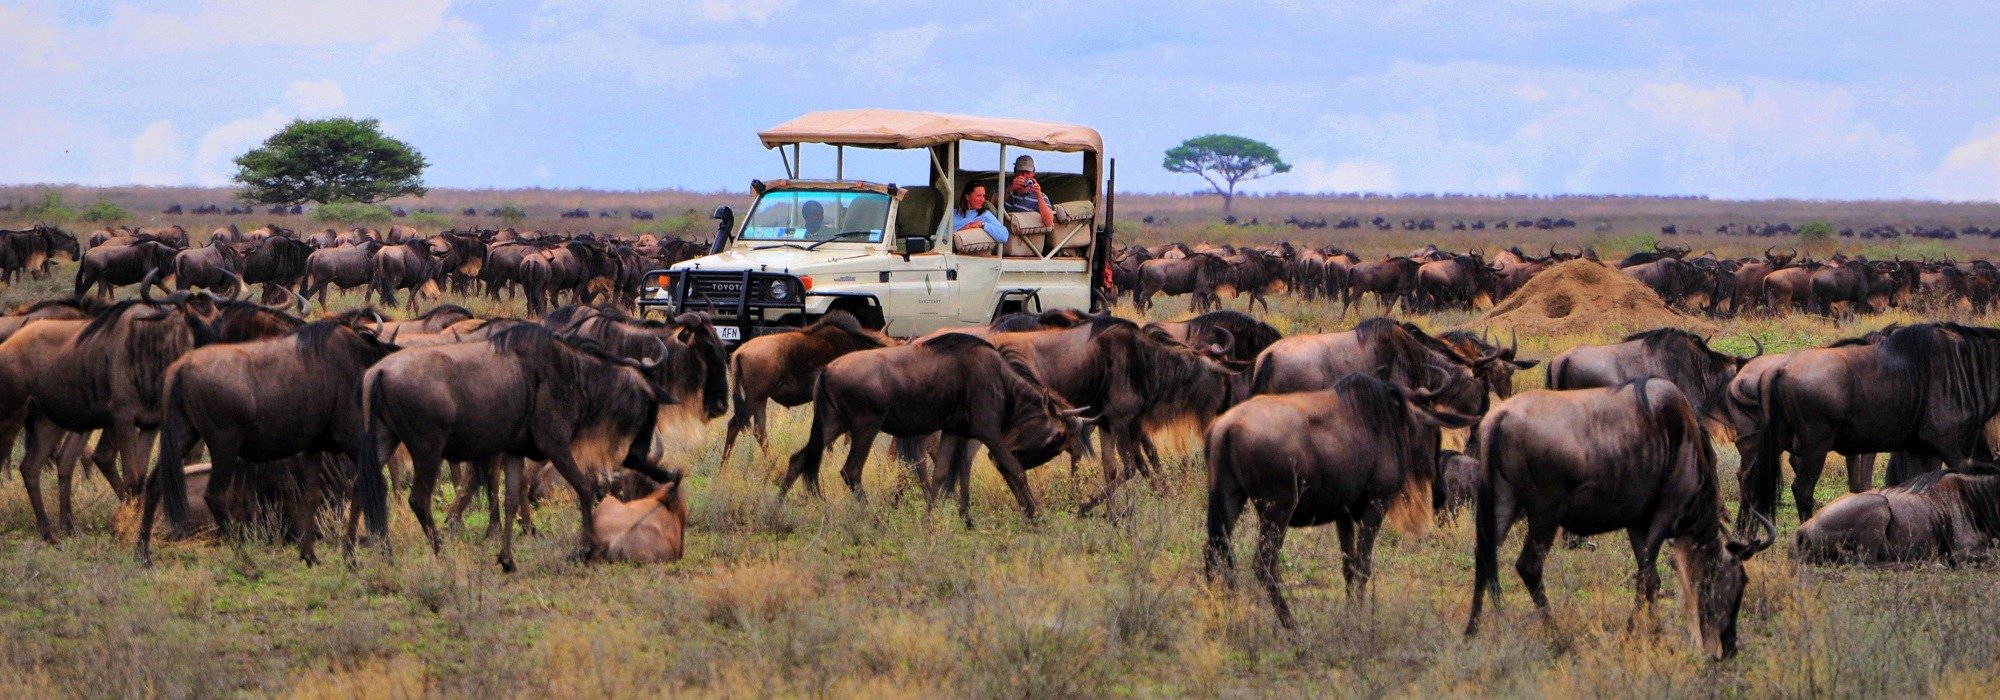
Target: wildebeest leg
(223,465)
(515,504)
(1225,505)
(858,444)
(1807,465)
(1109,450)
(1010,470)
(1486,573)
(305,504)
(1860,472)
(423,485)
(1271,526)
(1534,552)
(1361,560)
(1645,540)
(42,438)
(1904,466)
(586,499)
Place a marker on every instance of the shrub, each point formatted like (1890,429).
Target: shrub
(49,211)
(425,219)
(353,213)
(104,212)
(512,214)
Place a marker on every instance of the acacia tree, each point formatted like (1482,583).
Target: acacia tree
(1230,159)
(330,160)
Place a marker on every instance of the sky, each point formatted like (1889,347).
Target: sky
(1841,99)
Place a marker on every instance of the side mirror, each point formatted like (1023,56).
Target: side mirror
(725,221)
(913,245)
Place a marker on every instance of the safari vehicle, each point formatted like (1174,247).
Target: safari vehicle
(886,252)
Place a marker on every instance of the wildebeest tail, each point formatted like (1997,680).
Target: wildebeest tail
(168,475)
(805,462)
(1222,486)
(1486,527)
(371,489)
(1759,479)
(1260,375)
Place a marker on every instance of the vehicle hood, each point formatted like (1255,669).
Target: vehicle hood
(776,259)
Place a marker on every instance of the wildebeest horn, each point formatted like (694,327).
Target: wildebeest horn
(146,286)
(1075,412)
(1513,342)
(655,362)
(380,323)
(1763,532)
(236,290)
(1760,349)
(1224,342)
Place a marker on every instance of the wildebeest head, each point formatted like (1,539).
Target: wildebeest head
(1716,573)
(1041,424)
(694,368)
(1498,372)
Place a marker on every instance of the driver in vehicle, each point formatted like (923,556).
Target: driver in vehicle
(972,213)
(815,221)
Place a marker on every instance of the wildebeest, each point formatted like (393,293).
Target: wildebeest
(1352,456)
(1457,282)
(781,367)
(1633,457)
(643,531)
(1248,336)
(1672,354)
(1948,515)
(34,250)
(1857,283)
(1253,272)
(1927,389)
(411,265)
(526,392)
(1403,352)
(1389,279)
(278,263)
(116,266)
(346,267)
(1497,373)
(955,383)
(217,265)
(262,402)
(1197,274)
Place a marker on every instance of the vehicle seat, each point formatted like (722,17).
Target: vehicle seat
(917,213)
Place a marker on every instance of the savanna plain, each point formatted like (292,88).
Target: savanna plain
(830,598)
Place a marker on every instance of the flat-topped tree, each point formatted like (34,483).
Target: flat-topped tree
(1229,159)
(330,160)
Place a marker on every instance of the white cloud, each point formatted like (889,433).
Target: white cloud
(156,156)
(1346,176)
(888,53)
(32,40)
(1971,171)
(315,97)
(215,158)
(751,10)
(386,25)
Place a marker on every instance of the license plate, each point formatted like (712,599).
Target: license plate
(728,332)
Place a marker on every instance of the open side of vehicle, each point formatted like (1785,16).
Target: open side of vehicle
(887,253)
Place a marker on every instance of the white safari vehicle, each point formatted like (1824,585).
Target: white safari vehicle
(886,252)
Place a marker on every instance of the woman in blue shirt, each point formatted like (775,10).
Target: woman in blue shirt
(972,213)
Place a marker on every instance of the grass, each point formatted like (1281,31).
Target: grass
(827,598)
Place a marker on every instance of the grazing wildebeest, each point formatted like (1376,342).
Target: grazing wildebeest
(525,392)
(647,530)
(1253,272)
(781,367)
(1410,358)
(217,265)
(410,265)
(1858,283)
(1927,389)
(34,250)
(1499,373)
(109,266)
(1457,282)
(261,402)
(1197,274)
(955,383)
(1351,456)
(1659,252)
(1949,515)
(1672,354)
(1675,280)
(1788,288)
(1589,461)
(346,267)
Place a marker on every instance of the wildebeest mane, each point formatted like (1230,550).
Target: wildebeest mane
(444,309)
(1251,335)
(954,342)
(847,326)
(86,304)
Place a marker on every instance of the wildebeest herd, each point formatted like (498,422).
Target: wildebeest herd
(301,414)
(1430,279)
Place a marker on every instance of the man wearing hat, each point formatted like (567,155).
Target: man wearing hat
(1024,193)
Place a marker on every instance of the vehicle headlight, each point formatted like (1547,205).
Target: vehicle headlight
(780,290)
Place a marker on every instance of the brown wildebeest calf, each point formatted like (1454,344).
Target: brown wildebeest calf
(780,367)
(647,530)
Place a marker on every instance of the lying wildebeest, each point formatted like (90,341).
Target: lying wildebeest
(1198,274)
(1403,351)
(781,367)
(525,392)
(1351,456)
(345,267)
(1949,515)
(955,383)
(1672,354)
(261,402)
(107,267)
(643,531)
(1927,389)
(1633,457)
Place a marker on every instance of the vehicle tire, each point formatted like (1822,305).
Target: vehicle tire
(870,315)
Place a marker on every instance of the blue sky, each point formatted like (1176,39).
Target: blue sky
(1838,100)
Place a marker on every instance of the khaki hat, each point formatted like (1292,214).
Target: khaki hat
(1024,164)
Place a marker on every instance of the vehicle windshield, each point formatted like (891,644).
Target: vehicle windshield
(811,216)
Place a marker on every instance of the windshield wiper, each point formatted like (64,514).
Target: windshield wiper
(781,245)
(838,236)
